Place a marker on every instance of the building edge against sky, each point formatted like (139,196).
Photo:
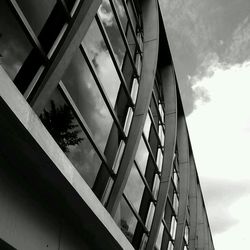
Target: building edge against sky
(95,151)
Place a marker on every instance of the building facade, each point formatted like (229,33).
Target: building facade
(95,152)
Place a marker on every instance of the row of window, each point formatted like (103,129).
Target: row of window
(136,209)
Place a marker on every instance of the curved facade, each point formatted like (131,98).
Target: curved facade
(95,151)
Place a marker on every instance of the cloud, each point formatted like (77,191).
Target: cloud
(240,45)
(220,195)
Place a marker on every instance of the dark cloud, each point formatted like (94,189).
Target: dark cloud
(197,29)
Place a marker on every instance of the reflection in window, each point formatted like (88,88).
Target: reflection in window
(14,46)
(186,234)
(99,55)
(170,246)
(159,159)
(175,203)
(63,126)
(125,219)
(156,186)
(144,241)
(83,90)
(141,156)
(109,22)
(36,12)
(147,126)
(159,238)
(150,216)
(134,188)
(173,227)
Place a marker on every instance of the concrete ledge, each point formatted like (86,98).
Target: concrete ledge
(34,154)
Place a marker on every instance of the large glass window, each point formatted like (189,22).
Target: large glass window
(134,188)
(14,46)
(62,124)
(80,83)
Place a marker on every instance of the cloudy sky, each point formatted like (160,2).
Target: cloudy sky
(210,44)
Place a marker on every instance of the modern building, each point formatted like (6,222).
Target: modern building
(94,152)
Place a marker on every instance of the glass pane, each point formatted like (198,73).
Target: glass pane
(143,242)
(161,135)
(109,22)
(80,83)
(122,14)
(63,126)
(173,227)
(99,55)
(134,188)
(125,219)
(161,112)
(147,126)
(170,246)
(175,203)
(14,46)
(159,238)
(36,12)
(186,234)
(150,216)
(159,159)
(156,186)
(141,156)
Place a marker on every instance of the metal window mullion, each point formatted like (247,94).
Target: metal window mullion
(145,181)
(112,54)
(158,112)
(150,153)
(135,11)
(172,208)
(27,29)
(84,125)
(138,217)
(155,129)
(132,27)
(167,230)
(65,9)
(103,93)
(124,38)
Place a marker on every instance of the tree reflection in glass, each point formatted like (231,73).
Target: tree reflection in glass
(66,131)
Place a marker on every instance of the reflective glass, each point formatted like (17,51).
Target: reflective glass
(154,111)
(122,14)
(173,227)
(156,186)
(159,159)
(107,16)
(66,131)
(147,126)
(141,156)
(99,55)
(14,46)
(128,120)
(83,90)
(36,12)
(134,91)
(150,216)
(125,219)
(176,179)
(186,234)
(161,110)
(161,135)
(134,188)
(170,246)
(159,237)
(175,203)
(143,242)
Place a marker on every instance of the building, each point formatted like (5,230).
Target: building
(95,152)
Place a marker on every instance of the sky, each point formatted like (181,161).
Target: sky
(210,46)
